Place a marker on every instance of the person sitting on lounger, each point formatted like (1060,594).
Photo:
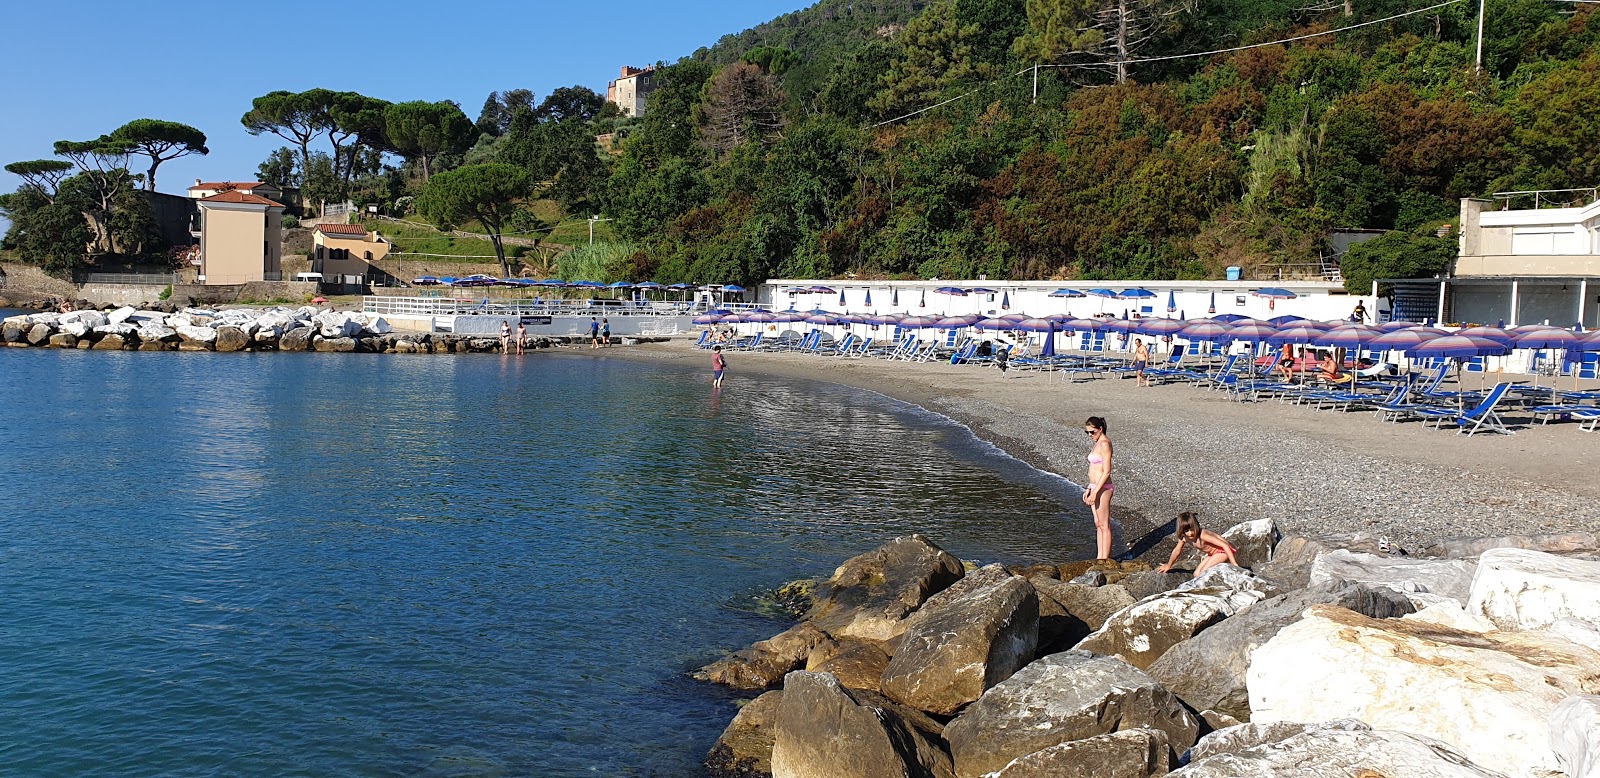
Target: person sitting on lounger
(1210,543)
(1330,371)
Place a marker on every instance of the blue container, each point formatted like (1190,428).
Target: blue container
(1233,274)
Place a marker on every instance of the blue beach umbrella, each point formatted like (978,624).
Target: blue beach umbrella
(1137,294)
(1460,347)
(1103,293)
(1205,332)
(735,288)
(868,301)
(1172,301)
(1160,327)
(821,290)
(1049,348)
(982,290)
(1348,337)
(1229,318)
(1212,308)
(1005,302)
(1274,293)
(1496,334)
(957,322)
(1070,293)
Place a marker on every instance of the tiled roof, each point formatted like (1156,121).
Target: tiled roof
(342,229)
(228,185)
(234,196)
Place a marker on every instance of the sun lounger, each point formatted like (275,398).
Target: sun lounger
(1480,418)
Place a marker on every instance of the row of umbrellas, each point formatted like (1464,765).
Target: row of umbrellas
(1270,293)
(556,283)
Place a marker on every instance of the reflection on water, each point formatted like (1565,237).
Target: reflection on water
(317,564)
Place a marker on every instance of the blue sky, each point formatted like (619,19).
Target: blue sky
(80,69)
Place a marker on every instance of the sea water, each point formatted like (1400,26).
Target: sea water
(308,564)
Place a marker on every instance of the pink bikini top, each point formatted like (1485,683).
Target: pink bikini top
(1095,459)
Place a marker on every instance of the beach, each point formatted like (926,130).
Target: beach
(1181,448)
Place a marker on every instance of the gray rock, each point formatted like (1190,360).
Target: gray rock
(870,595)
(336,345)
(1362,754)
(1134,753)
(39,334)
(764,664)
(1291,560)
(295,340)
(1143,632)
(823,730)
(1059,699)
(150,333)
(63,340)
(1253,541)
(125,330)
(1068,612)
(77,329)
(1243,737)
(197,334)
(958,648)
(858,664)
(1142,585)
(12,332)
(1444,577)
(120,315)
(231,338)
(1570,543)
(1575,735)
(744,750)
(1208,670)
(110,342)
(1090,578)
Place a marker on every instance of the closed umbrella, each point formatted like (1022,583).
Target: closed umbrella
(1212,308)
(868,301)
(1005,301)
(841,297)
(1172,301)
(1049,349)
(894,298)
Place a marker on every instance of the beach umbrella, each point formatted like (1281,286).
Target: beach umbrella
(735,288)
(982,290)
(1049,347)
(1034,325)
(885,318)
(1354,336)
(707,318)
(1497,334)
(842,303)
(426,281)
(1273,295)
(1391,326)
(1068,293)
(1295,336)
(754,317)
(1460,347)
(821,290)
(1136,294)
(1229,318)
(1282,321)
(1081,325)
(1403,340)
(789,317)
(991,324)
(825,319)
(957,322)
(1005,302)
(1251,333)
(1172,300)
(1541,338)
(1161,327)
(1201,320)
(868,301)
(1207,332)
(1105,293)
(1058,318)
(1212,308)
(919,322)
(1121,325)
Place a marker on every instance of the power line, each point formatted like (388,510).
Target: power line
(1086,65)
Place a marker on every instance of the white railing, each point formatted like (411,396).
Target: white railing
(455,306)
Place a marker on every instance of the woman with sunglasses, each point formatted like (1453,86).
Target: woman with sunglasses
(1098,495)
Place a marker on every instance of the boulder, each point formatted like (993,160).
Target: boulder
(125,330)
(337,345)
(63,340)
(1444,577)
(1291,559)
(150,333)
(77,329)
(1253,541)
(1520,589)
(1134,753)
(958,648)
(822,730)
(1575,736)
(156,345)
(1341,752)
(110,342)
(1242,737)
(764,664)
(121,315)
(1149,582)
(12,331)
(1489,695)
(1063,698)
(1208,670)
(375,324)
(1142,632)
(1584,633)
(1450,614)
(90,318)
(1089,578)
(744,750)
(1068,611)
(1568,543)
(194,345)
(39,334)
(870,595)
(404,346)
(858,664)
(196,334)
(333,325)
(231,338)
(298,339)
(1113,571)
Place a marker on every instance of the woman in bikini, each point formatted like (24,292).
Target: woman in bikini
(1098,495)
(1210,543)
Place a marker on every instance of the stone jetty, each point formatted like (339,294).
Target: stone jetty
(236,329)
(1474,658)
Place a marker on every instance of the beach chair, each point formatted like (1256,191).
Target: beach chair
(864,349)
(1481,417)
(843,346)
(1170,369)
(705,339)
(751,343)
(1590,418)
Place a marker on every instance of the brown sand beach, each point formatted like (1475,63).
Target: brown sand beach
(1182,448)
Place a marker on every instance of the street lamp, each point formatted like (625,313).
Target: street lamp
(592,220)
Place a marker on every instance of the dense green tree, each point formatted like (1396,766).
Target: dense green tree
(161,141)
(488,194)
(102,177)
(1555,128)
(44,175)
(998,24)
(297,117)
(53,236)
(933,53)
(279,169)
(570,103)
(560,155)
(422,131)
(1396,255)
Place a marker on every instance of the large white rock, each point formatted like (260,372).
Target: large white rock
(116,329)
(151,332)
(1584,633)
(178,320)
(197,334)
(91,318)
(1575,736)
(1444,577)
(141,317)
(1489,695)
(376,325)
(333,324)
(76,329)
(1520,589)
(1450,614)
(121,315)
(1253,541)
(51,318)
(1326,753)
(1142,632)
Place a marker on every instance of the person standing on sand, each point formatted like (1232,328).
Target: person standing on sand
(605,332)
(505,337)
(522,336)
(594,332)
(719,363)
(1098,495)
(1141,360)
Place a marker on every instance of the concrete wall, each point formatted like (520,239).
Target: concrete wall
(120,294)
(220,294)
(24,280)
(489,325)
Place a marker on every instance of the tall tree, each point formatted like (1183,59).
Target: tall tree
(161,141)
(491,120)
(103,177)
(742,103)
(570,102)
(280,169)
(559,155)
(1109,32)
(359,126)
(44,175)
(932,53)
(420,131)
(289,115)
(489,194)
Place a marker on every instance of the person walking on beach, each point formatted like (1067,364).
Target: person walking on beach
(719,363)
(522,336)
(1141,360)
(505,337)
(1359,315)
(1210,543)
(1098,495)
(605,332)
(594,332)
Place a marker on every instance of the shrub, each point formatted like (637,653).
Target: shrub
(289,222)
(166,294)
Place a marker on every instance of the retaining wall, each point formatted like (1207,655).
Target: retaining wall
(221,294)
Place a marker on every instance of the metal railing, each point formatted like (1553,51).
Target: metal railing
(1550,198)
(132,279)
(458,306)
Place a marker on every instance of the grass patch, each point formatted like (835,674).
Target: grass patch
(415,238)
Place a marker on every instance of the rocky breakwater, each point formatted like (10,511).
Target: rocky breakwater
(229,330)
(1474,658)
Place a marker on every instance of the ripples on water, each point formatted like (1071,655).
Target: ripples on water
(314,564)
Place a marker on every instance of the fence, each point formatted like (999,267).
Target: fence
(131,279)
(335,210)
(452,306)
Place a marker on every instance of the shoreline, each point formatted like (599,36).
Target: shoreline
(1312,472)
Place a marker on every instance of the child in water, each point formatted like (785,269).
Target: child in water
(1210,543)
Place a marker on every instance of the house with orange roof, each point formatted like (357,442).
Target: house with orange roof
(241,238)
(203,189)
(343,253)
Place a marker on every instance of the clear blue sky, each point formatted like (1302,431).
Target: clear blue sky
(78,70)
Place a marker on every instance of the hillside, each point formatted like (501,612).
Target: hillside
(821,36)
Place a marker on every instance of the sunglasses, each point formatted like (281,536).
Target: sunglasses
(1090,432)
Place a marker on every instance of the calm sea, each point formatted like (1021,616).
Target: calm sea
(323,565)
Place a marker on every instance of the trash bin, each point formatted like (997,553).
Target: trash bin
(1233,273)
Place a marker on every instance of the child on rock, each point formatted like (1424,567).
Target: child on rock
(1210,543)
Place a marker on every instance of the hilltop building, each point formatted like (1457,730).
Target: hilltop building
(1527,265)
(241,238)
(343,254)
(631,90)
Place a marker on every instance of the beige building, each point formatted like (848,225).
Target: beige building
(241,238)
(203,189)
(343,253)
(631,90)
